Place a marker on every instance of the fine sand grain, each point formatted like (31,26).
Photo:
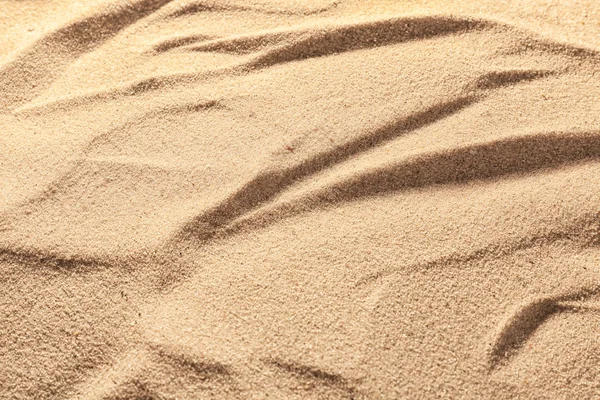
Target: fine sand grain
(299,199)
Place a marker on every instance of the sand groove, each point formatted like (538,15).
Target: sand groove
(136,374)
(472,164)
(499,79)
(522,322)
(481,162)
(266,186)
(265,50)
(179,41)
(316,375)
(26,76)
(284,47)
(205,6)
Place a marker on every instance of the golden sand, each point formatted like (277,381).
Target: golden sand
(299,199)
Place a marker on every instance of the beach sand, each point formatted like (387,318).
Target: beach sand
(299,199)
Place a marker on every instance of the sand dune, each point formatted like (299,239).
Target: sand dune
(288,199)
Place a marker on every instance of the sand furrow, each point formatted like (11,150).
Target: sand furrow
(34,69)
(478,163)
(266,186)
(522,322)
(224,6)
(264,50)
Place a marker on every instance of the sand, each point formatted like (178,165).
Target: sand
(299,199)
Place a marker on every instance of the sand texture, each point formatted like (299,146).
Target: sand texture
(294,199)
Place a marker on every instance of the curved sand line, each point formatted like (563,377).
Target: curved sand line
(261,190)
(134,375)
(305,43)
(513,332)
(477,163)
(206,6)
(274,48)
(266,186)
(27,76)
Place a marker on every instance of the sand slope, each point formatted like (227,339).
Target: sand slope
(324,199)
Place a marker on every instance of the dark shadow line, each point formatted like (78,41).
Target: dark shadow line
(202,368)
(54,262)
(269,184)
(204,6)
(317,375)
(519,326)
(24,78)
(485,162)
